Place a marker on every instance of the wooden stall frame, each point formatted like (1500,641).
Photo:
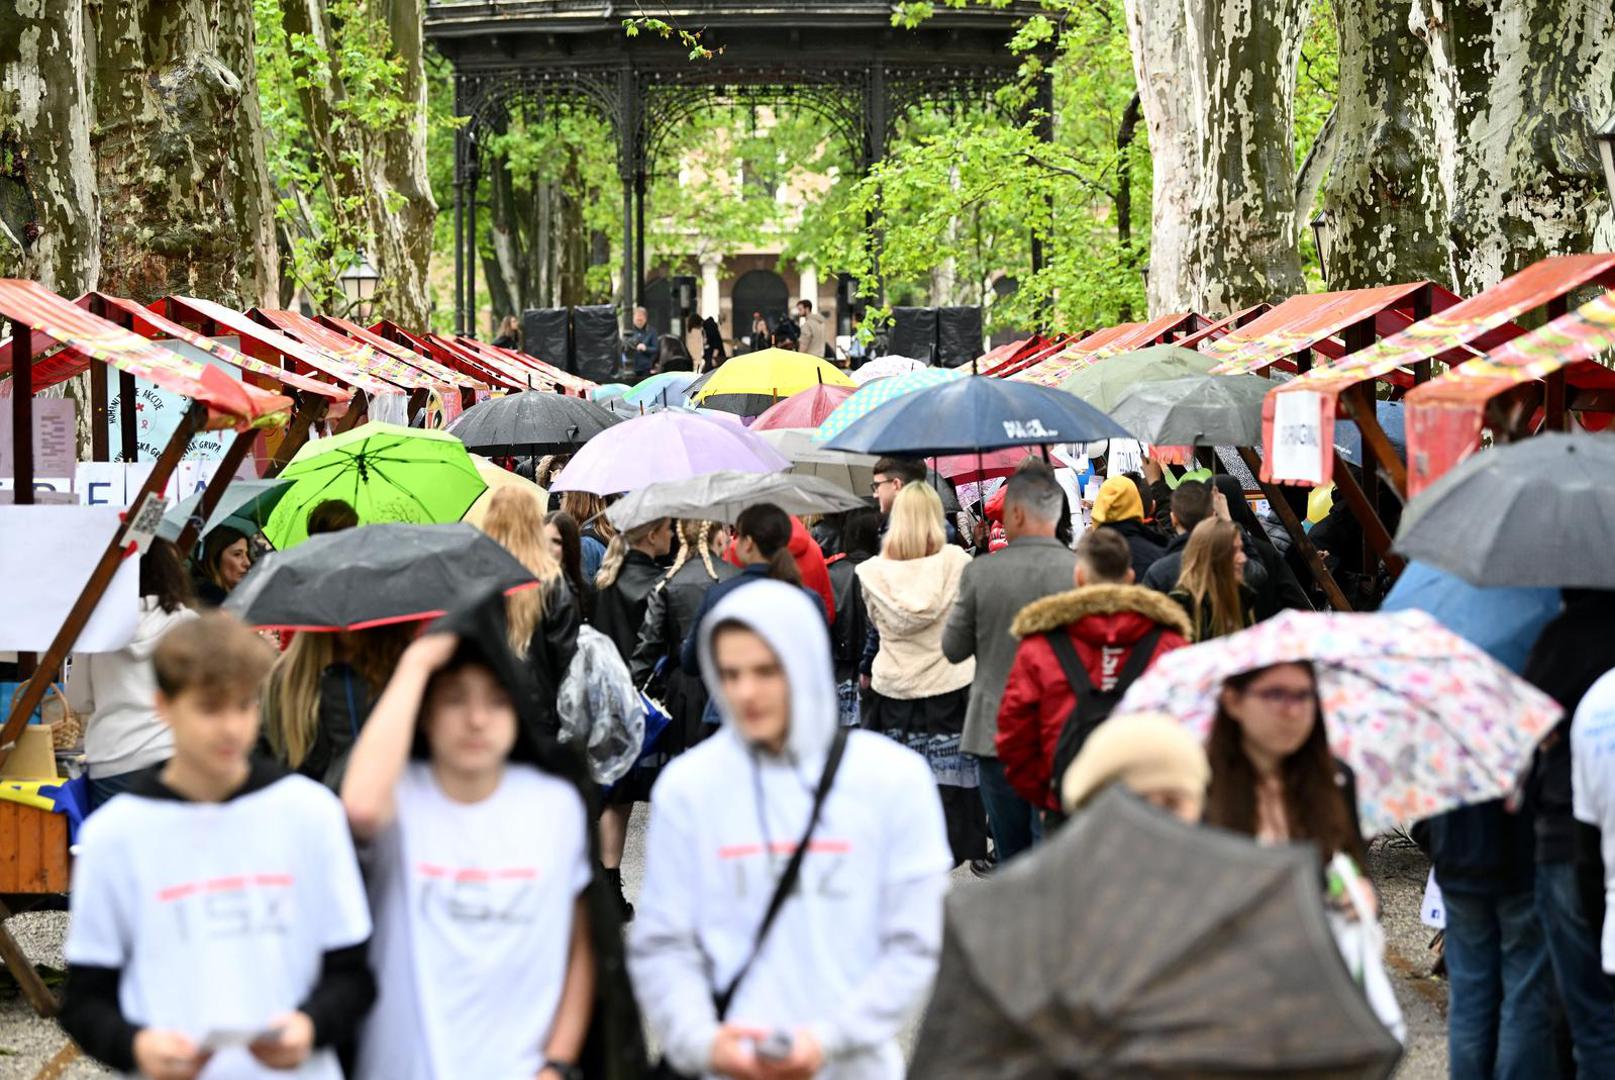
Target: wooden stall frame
(1298,533)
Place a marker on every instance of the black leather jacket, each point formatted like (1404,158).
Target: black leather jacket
(671,612)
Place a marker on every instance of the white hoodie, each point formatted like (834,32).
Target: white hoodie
(118,691)
(854,951)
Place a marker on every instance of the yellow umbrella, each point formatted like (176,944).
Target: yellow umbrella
(749,384)
(497,478)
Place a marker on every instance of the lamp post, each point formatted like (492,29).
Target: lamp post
(1319,224)
(359,283)
(1606,151)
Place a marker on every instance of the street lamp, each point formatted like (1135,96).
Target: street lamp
(1606,150)
(1320,223)
(359,285)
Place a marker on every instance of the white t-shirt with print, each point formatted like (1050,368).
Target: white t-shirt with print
(218,914)
(1592,783)
(473,905)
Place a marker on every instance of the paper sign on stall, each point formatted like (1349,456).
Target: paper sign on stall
(47,554)
(55,438)
(1124,456)
(1298,436)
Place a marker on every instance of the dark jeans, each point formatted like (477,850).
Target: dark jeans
(1498,1023)
(1573,948)
(1014,823)
(103,788)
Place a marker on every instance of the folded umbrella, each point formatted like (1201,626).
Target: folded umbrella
(248,502)
(721,496)
(374,575)
(1130,944)
(531,422)
(749,384)
(385,472)
(1427,720)
(667,445)
(1540,512)
(872,395)
(1195,410)
(973,414)
(803,409)
(1102,383)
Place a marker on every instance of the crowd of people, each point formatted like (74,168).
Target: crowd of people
(370,853)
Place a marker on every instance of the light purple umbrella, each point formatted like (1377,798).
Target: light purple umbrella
(660,446)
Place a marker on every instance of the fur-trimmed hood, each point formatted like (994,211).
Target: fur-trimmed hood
(1063,609)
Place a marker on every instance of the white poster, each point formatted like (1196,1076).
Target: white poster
(1432,911)
(1124,456)
(1298,436)
(46,556)
(55,438)
(158,412)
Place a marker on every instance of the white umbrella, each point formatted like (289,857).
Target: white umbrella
(808,457)
(721,496)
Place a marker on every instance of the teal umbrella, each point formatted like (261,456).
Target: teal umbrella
(872,395)
(245,506)
(609,390)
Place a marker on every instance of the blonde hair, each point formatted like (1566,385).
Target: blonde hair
(695,538)
(617,551)
(915,530)
(292,695)
(1209,579)
(516,520)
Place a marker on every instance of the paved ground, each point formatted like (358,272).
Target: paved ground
(28,1044)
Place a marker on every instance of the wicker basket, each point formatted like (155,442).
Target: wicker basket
(66,726)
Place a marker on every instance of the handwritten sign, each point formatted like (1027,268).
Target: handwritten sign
(55,438)
(1298,437)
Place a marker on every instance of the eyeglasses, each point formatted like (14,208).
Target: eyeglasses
(874,489)
(1278,697)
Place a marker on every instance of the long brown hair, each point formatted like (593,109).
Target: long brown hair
(292,693)
(589,511)
(516,520)
(1314,803)
(1209,579)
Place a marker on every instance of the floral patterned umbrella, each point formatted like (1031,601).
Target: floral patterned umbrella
(885,367)
(1427,721)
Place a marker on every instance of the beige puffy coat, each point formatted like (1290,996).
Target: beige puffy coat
(908,602)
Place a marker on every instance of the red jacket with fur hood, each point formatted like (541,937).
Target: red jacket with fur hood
(1104,622)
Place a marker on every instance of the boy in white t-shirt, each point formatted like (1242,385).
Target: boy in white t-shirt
(219,922)
(489,918)
(1592,785)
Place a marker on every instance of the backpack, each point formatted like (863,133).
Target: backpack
(1093,705)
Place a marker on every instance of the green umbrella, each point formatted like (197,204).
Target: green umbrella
(1102,383)
(385,472)
(245,506)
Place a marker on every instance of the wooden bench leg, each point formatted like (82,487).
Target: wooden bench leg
(33,987)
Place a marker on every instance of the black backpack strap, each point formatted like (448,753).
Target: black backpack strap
(1139,658)
(1070,662)
(793,871)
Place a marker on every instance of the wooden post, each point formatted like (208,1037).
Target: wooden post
(100,448)
(1555,408)
(311,409)
(357,408)
(233,457)
(1360,404)
(16,962)
(1298,533)
(22,414)
(25,702)
(1373,528)
(126,417)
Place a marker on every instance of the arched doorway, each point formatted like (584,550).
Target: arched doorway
(658,304)
(758,290)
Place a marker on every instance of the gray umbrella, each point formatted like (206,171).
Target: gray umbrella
(1131,944)
(1196,410)
(721,496)
(249,502)
(1538,513)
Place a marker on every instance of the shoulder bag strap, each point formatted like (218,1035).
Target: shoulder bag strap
(793,871)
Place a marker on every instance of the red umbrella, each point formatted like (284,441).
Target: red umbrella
(962,468)
(803,409)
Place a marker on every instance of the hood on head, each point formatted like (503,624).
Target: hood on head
(784,617)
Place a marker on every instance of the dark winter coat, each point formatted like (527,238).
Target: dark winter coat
(1104,622)
(671,613)
(1142,542)
(1163,575)
(619,608)
(549,653)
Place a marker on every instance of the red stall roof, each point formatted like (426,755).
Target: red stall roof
(371,361)
(1303,322)
(263,339)
(1033,351)
(422,360)
(1446,414)
(86,338)
(521,361)
(1223,327)
(453,353)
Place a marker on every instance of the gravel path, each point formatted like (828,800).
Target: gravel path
(28,1043)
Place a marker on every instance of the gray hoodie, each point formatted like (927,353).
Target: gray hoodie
(855,949)
(117,691)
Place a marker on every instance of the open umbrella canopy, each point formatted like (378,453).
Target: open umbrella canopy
(1102,383)
(803,409)
(872,395)
(975,413)
(1504,622)
(884,367)
(747,385)
(1195,410)
(1392,417)
(1130,944)
(721,496)
(374,575)
(1427,720)
(664,388)
(385,472)
(668,445)
(498,479)
(248,502)
(609,390)
(1540,512)
(966,468)
(854,473)
(531,422)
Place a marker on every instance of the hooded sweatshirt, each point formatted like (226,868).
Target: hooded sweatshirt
(909,601)
(855,948)
(117,690)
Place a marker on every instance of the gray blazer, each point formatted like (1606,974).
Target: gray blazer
(994,589)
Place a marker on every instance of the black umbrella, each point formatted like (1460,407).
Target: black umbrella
(374,575)
(531,422)
(1134,945)
(1538,513)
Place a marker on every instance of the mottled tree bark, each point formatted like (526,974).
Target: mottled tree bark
(1385,197)
(1156,29)
(49,227)
(179,152)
